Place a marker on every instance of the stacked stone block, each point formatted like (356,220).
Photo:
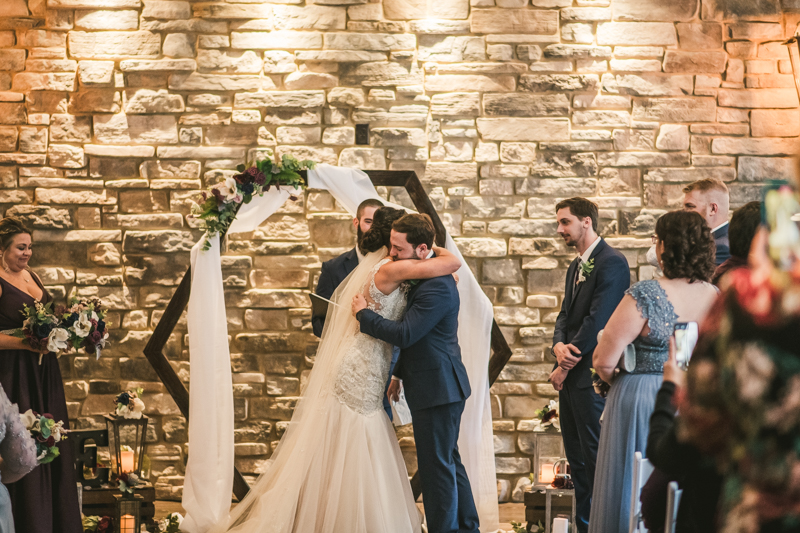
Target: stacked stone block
(115,113)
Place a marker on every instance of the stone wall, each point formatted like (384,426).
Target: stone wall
(115,113)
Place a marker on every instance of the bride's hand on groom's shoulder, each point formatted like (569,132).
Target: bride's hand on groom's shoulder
(359,303)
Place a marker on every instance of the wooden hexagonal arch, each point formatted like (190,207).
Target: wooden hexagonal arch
(154,351)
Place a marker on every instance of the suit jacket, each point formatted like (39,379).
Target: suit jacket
(430,357)
(587,306)
(332,274)
(723,244)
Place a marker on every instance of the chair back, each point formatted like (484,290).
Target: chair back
(642,468)
(673,502)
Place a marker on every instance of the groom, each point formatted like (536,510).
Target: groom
(596,282)
(434,377)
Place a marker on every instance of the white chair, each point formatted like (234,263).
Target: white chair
(642,468)
(673,501)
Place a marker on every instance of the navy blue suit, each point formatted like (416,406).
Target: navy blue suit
(723,244)
(585,309)
(436,388)
(330,277)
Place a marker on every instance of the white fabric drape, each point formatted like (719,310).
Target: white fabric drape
(209,472)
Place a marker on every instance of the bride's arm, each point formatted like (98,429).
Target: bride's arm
(398,271)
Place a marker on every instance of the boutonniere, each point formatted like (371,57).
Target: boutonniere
(412,282)
(586,270)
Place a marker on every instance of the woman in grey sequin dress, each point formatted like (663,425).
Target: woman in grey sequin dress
(18,454)
(646,317)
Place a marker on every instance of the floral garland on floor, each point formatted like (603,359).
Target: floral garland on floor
(222,201)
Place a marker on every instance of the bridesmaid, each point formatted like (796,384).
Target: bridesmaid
(46,500)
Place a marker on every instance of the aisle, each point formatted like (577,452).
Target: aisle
(508,512)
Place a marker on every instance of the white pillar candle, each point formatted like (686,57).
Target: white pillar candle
(560,525)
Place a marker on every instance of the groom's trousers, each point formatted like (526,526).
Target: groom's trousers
(580,428)
(446,492)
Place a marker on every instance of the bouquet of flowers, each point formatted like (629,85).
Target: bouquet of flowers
(128,482)
(548,416)
(221,203)
(129,405)
(46,432)
(85,324)
(96,524)
(170,524)
(41,329)
(600,387)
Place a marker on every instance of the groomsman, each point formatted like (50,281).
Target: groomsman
(710,198)
(596,282)
(335,270)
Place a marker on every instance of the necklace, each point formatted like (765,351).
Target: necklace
(24,279)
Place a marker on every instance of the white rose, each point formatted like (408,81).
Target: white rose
(82,326)
(57,340)
(230,189)
(28,418)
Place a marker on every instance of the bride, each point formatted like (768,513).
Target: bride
(338,467)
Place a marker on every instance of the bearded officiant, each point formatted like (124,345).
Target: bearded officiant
(337,269)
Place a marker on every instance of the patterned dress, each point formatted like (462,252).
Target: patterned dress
(18,452)
(626,419)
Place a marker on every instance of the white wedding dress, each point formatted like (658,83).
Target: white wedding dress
(338,467)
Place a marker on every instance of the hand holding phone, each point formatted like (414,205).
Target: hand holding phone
(686,334)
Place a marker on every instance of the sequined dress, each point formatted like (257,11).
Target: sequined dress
(626,419)
(18,452)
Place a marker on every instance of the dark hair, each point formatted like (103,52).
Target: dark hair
(744,224)
(581,208)
(10,227)
(381,230)
(418,229)
(688,246)
(369,202)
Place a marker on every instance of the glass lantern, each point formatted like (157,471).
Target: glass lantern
(127,443)
(548,452)
(128,512)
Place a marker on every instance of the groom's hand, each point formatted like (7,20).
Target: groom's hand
(359,303)
(393,392)
(557,378)
(564,356)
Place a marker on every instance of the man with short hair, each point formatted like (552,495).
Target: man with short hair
(743,227)
(710,198)
(433,376)
(335,270)
(596,282)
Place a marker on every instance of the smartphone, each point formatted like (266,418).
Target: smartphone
(685,334)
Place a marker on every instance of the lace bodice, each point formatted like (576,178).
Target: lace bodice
(364,370)
(16,445)
(652,350)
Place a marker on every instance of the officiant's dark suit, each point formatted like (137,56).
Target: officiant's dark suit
(585,309)
(722,243)
(436,387)
(330,277)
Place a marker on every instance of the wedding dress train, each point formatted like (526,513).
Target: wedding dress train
(338,467)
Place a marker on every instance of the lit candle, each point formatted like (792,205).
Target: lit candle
(127,461)
(546,474)
(127,524)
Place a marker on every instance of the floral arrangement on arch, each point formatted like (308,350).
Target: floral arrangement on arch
(129,404)
(548,416)
(46,433)
(222,201)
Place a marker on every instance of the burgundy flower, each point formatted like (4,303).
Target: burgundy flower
(260,179)
(105,525)
(48,415)
(50,442)
(218,196)
(95,337)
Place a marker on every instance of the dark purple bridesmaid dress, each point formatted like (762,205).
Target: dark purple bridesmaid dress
(45,500)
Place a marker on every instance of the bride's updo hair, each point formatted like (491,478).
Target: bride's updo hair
(10,227)
(381,229)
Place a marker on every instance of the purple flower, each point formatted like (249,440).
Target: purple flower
(43,330)
(123,398)
(248,188)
